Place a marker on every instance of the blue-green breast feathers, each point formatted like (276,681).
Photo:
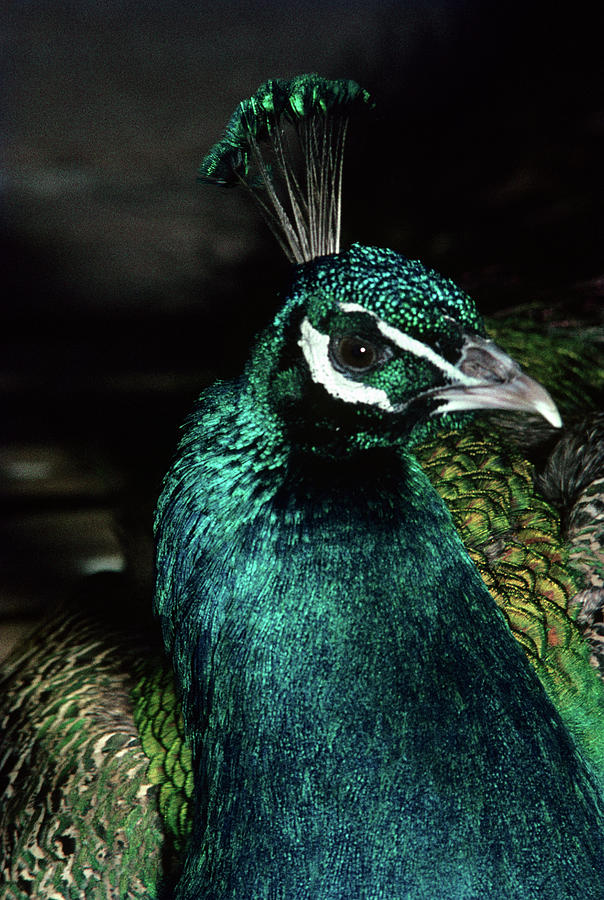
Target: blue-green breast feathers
(362,722)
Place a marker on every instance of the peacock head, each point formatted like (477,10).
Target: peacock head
(373,350)
(370,349)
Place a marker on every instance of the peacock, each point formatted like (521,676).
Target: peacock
(381,660)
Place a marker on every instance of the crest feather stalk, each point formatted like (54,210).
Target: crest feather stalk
(304,116)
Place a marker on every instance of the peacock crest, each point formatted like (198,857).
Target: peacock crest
(300,120)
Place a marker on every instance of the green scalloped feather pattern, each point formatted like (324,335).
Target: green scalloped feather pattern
(159,720)
(514,539)
(67,723)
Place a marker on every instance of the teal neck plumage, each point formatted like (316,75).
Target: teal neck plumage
(362,722)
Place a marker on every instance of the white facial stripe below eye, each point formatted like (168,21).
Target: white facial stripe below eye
(412,345)
(315,347)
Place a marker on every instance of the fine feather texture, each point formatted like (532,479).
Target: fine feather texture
(359,715)
(573,479)
(514,539)
(472,473)
(79,814)
(349,743)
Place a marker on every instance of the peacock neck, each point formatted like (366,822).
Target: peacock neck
(354,701)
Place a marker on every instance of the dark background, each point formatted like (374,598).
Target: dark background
(128,285)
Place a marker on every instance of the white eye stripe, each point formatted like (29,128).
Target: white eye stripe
(315,347)
(412,345)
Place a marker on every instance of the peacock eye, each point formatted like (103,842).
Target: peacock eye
(352,353)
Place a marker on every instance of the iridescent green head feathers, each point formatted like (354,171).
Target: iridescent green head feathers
(369,349)
(302,208)
(374,350)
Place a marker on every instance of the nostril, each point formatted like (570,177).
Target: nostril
(482,359)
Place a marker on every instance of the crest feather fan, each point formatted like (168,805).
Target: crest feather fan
(308,116)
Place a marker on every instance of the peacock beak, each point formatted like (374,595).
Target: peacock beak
(490,379)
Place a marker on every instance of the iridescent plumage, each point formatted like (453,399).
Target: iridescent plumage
(360,719)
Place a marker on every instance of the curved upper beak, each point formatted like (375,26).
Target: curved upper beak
(490,379)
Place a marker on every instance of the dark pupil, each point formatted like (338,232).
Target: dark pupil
(356,353)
